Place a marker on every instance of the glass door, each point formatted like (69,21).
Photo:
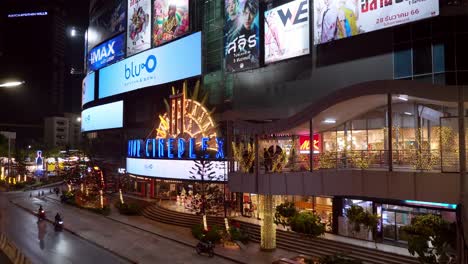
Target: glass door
(389,225)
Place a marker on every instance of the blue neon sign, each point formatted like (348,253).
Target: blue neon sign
(108,52)
(177,60)
(171,148)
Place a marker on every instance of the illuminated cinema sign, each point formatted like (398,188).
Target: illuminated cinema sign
(106,53)
(174,148)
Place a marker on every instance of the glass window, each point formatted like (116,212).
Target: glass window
(329,141)
(422,57)
(462,52)
(438,51)
(402,66)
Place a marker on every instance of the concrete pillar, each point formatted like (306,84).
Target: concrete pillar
(268,227)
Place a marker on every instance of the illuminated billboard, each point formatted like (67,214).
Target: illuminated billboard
(287,31)
(100,117)
(138,26)
(87,89)
(108,52)
(176,169)
(338,19)
(241,35)
(107,18)
(175,61)
(170,20)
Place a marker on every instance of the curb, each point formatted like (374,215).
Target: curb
(78,235)
(163,236)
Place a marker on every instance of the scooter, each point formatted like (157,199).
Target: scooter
(205,247)
(41,215)
(58,225)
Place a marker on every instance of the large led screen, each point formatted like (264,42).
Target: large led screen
(87,89)
(175,61)
(107,18)
(170,20)
(108,52)
(139,26)
(102,117)
(175,169)
(241,35)
(338,19)
(287,31)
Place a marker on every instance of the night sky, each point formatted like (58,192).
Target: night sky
(26,53)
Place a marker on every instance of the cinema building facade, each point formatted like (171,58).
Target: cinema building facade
(376,120)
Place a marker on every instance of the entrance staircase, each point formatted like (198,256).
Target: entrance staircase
(287,240)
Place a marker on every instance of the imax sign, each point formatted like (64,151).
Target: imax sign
(108,52)
(177,60)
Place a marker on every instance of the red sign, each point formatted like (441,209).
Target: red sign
(304,142)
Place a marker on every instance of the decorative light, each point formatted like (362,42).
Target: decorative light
(329,121)
(121,196)
(407,113)
(69,187)
(78,119)
(226,224)
(205,225)
(14,181)
(82,188)
(101,199)
(2,175)
(19,178)
(87,191)
(25,178)
(96,168)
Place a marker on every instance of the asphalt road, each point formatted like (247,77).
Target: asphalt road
(41,244)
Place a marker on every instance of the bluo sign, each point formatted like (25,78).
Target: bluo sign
(132,71)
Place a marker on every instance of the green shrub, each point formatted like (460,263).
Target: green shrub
(338,259)
(128,208)
(213,234)
(284,213)
(238,234)
(104,211)
(307,223)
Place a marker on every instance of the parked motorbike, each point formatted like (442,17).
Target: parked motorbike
(205,247)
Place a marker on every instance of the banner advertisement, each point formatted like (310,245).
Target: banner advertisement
(175,169)
(287,31)
(170,20)
(241,35)
(104,116)
(108,52)
(139,26)
(177,60)
(107,18)
(337,19)
(87,89)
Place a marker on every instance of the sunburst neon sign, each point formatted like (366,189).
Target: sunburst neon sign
(184,129)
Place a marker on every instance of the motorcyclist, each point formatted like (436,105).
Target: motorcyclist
(58,218)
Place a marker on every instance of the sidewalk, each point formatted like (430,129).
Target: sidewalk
(115,231)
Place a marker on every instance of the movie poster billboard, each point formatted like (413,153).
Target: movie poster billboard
(338,19)
(241,35)
(139,26)
(107,18)
(287,31)
(170,20)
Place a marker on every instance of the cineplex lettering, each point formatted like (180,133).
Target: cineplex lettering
(173,148)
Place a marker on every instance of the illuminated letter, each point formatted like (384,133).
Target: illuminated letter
(138,147)
(154,148)
(192,148)
(204,146)
(170,142)
(147,148)
(180,148)
(129,148)
(220,153)
(161,148)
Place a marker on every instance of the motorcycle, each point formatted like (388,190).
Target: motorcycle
(41,215)
(205,247)
(58,224)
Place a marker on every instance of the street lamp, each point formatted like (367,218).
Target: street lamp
(12,84)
